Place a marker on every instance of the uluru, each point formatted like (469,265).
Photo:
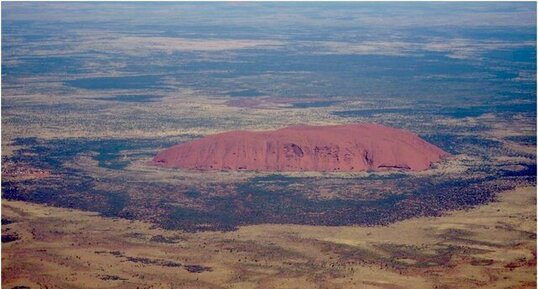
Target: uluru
(345,148)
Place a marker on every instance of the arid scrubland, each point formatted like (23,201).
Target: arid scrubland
(491,246)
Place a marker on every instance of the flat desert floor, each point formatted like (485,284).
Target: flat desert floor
(489,246)
(92,92)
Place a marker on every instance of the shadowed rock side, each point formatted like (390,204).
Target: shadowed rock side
(355,147)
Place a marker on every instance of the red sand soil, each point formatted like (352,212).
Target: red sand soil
(354,147)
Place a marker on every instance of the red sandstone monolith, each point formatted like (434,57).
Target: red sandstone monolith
(353,147)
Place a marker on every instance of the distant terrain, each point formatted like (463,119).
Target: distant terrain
(93,92)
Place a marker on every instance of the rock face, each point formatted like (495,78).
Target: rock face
(355,147)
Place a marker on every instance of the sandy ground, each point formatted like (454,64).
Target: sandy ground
(491,246)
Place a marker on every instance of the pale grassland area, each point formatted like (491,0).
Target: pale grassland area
(491,246)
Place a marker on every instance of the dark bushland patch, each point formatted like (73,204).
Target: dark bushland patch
(115,202)
(523,139)
(156,262)
(453,112)
(528,171)
(197,268)
(271,199)
(314,104)
(374,111)
(112,277)
(53,154)
(164,239)
(116,82)
(149,261)
(192,194)
(482,262)
(7,238)
(6,221)
(245,93)
(472,145)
